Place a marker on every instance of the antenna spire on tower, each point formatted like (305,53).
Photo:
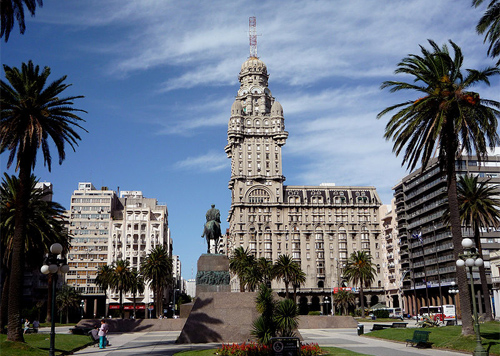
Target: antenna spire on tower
(252,35)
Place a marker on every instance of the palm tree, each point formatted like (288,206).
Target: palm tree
(14,10)
(286,269)
(479,207)
(238,263)
(490,23)
(157,270)
(102,279)
(360,269)
(449,118)
(286,318)
(30,113)
(297,279)
(342,299)
(264,327)
(120,280)
(67,298)
(136,285)
(266,269)
(45,227)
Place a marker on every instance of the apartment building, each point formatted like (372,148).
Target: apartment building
(107,228)
(425,240)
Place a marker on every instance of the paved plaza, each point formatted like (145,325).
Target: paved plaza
(163,343)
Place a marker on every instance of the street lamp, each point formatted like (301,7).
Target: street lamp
(454,291)
(82,306)
(53,264)
(471,258)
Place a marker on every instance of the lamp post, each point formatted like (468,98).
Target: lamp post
(454,291)
(471,258)
(82,306)
(54,264)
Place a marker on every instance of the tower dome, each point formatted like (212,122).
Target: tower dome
(253,65)
(276,109)
(236,108)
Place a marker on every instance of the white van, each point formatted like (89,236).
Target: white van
(439,313)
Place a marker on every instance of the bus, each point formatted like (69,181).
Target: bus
(439,313)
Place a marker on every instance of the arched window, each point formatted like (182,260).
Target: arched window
(259,196)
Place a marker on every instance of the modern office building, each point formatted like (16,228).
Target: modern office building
(107,228)
(319,226)
(425,240)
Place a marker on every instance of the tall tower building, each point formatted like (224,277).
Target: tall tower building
(319,226)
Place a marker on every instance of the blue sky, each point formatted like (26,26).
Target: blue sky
(159,78)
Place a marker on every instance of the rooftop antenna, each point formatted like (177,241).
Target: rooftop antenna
(252,36)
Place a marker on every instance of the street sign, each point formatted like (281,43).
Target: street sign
(285,346)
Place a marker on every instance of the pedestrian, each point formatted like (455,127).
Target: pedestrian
(95,333)
(103,331)
(26,326)
(36,325)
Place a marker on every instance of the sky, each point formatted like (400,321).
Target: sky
(159,78)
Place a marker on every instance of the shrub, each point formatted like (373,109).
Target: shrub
(245,349)
(314,313)
(310,350)
(381,313)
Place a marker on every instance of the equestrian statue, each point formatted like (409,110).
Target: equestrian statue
(211,231)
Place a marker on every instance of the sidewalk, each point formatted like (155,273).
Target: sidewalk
(158,343)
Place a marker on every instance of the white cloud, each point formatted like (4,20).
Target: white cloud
(210,162)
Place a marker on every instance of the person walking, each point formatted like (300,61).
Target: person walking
(103,331)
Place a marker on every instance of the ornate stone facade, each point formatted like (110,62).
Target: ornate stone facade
(319,226)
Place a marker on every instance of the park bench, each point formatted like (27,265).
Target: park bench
(399,325)
(380,327)
(31,331)
(420,339)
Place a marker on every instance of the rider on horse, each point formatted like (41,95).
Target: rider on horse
(212,227)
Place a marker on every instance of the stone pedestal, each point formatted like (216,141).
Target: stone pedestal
(213,274)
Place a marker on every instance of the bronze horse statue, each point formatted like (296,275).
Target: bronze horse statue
(211,230)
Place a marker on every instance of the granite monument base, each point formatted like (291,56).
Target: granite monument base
(213,274)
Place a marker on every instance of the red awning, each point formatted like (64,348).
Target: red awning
(128,307)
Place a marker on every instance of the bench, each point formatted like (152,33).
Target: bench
(31,331)
(380,327)
(450,323)
(399,325)
(420,339)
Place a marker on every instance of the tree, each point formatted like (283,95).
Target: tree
(479,208)
(490,23)
(30,114)
(120,280)
(157,270)
(45,227)
(102,279)
(286,269)
(276,319)
(15,9)
(449,118)
(297,279)
(342,299)
(66,299)
(136,285)
(238,263)
(360,269)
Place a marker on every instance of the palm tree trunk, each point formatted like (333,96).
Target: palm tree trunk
(67,315)
(482,274)
(121,304)
(4,304)
(456,231)
(286,290)
(134,304)
(362,300)
(15,332)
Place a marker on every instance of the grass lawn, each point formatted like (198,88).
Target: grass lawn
(450,337)
(329,351)
(39,344)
